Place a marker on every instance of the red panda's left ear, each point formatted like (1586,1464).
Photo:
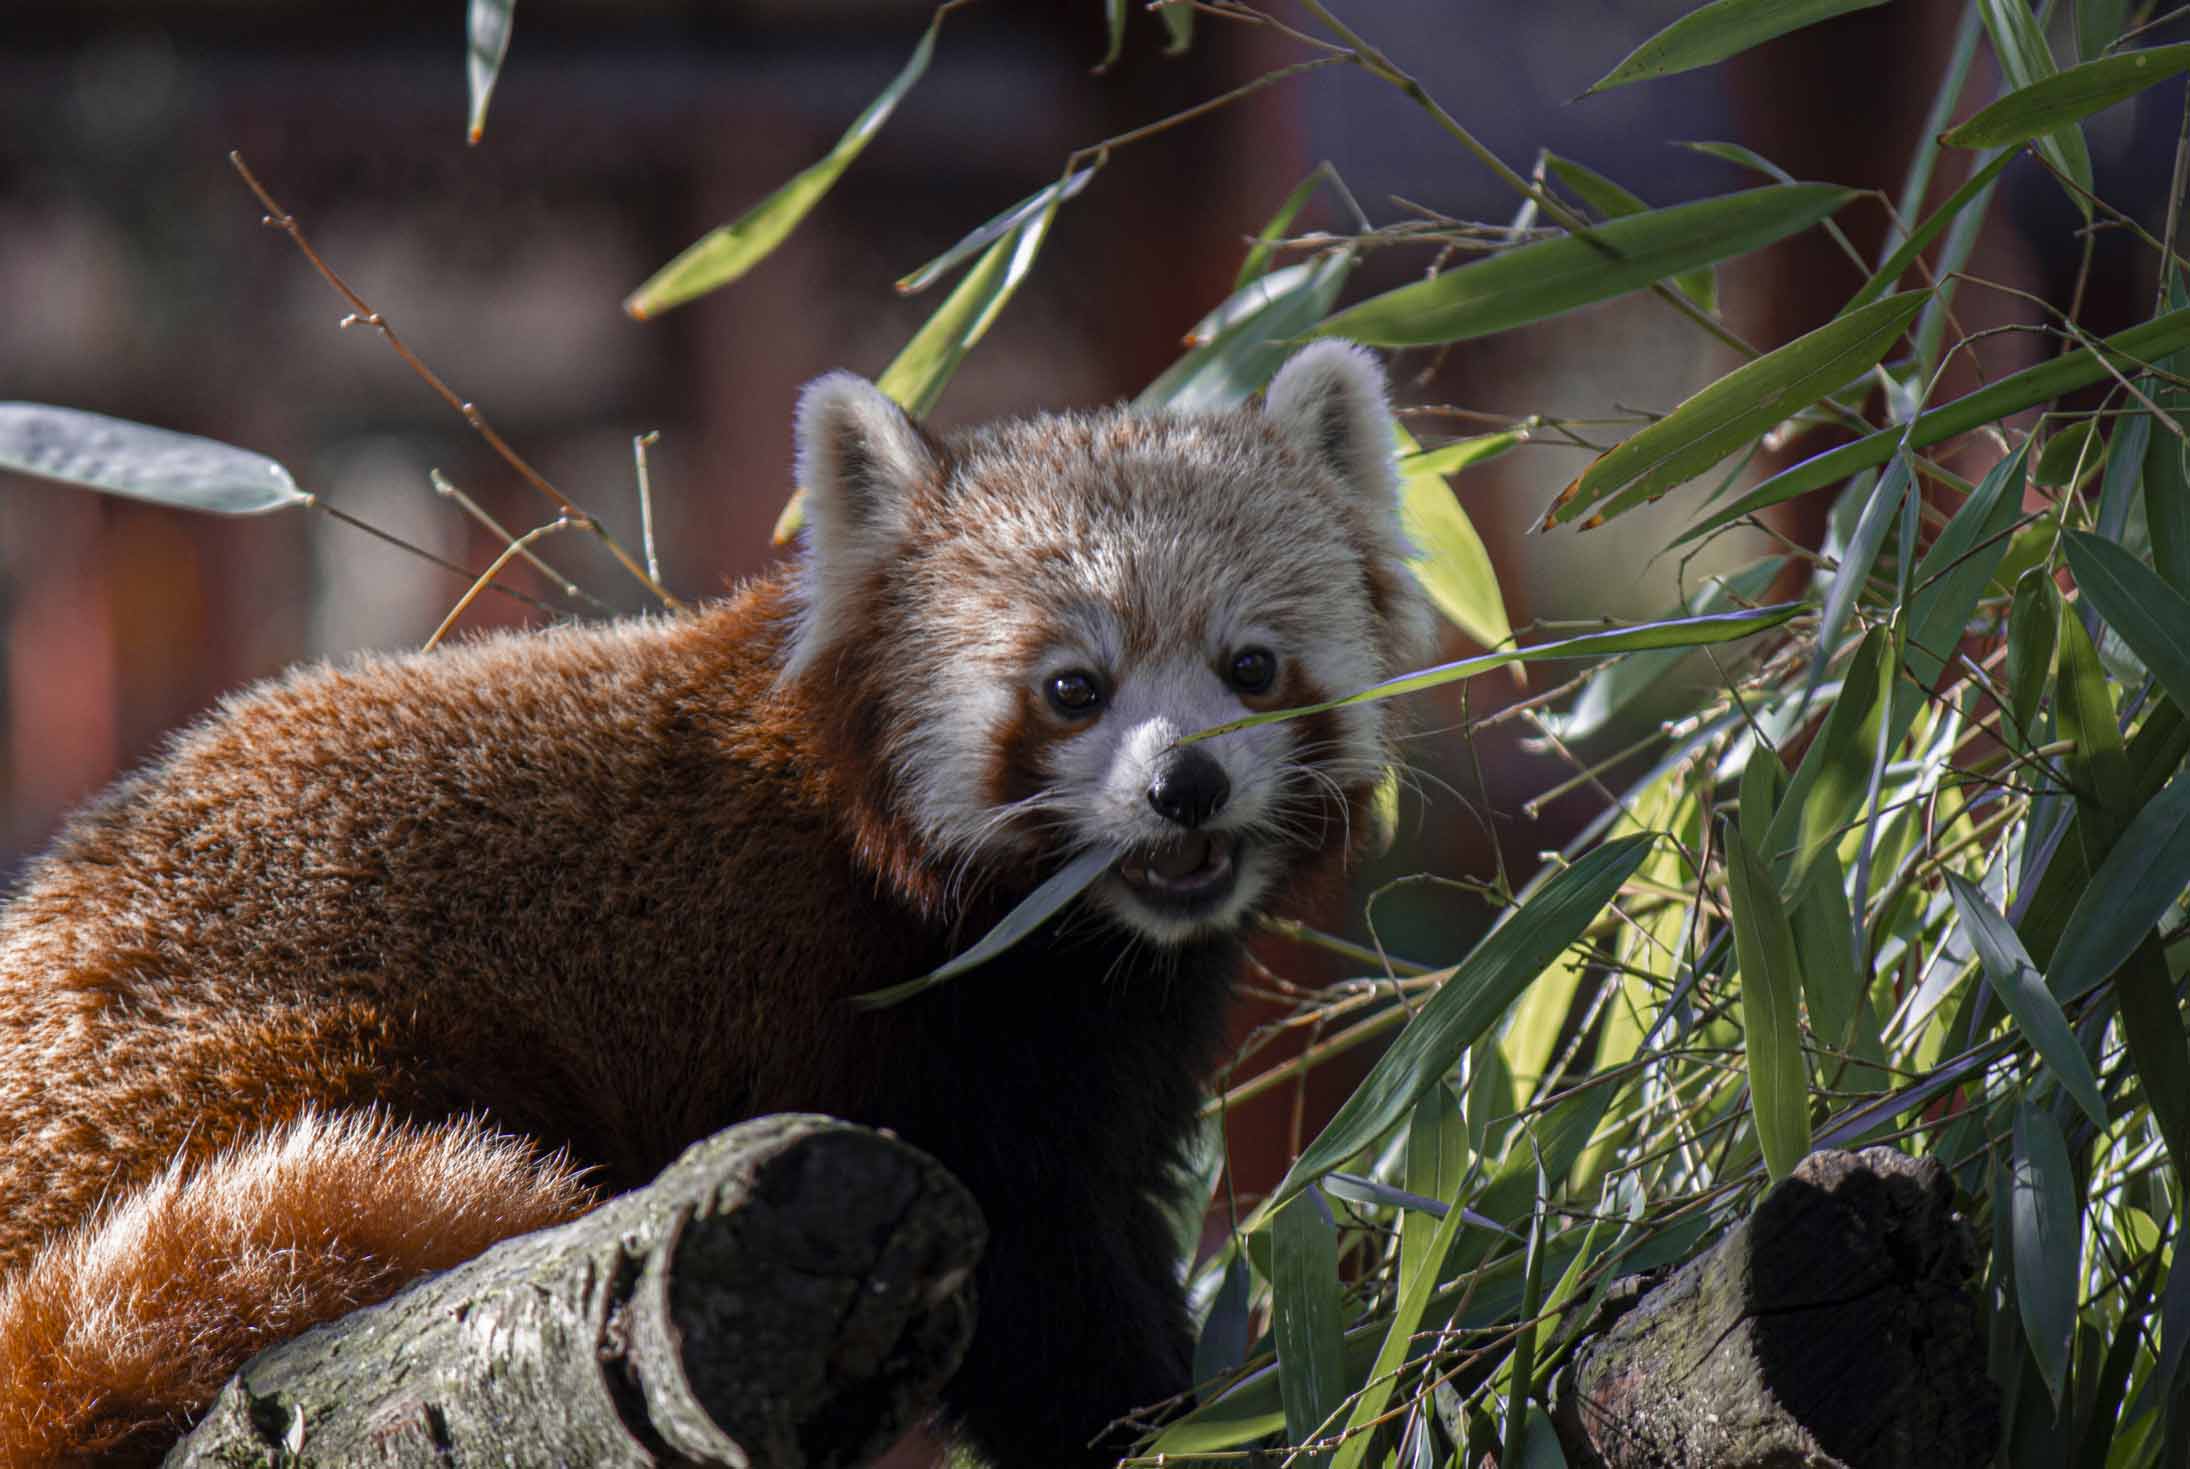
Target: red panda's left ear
(860,460)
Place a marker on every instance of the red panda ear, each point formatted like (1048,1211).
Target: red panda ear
(860,459)
(1329,399)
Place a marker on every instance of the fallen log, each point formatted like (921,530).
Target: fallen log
(1835,1326)
(790,1293)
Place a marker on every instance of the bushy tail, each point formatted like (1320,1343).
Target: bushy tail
(119,1332)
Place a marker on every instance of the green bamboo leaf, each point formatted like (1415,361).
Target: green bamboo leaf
(725,253)
(1114,35)
(918,374)
(1736,409)
(1898,263)
(2070,456)
(2022,990)
(2167,465)
(2068,96)
(1956,570)
(1068,883)
(2133,888)
(1880,508)
(2084,705)
(487,27)
(1419,1284)
(1450,559)
(1222,1345)
(2125,455)
(1610,201)
(1531,282)
(1711,33)
(1764,946)
(2046,1226)
(1257,336)
(2031,632)
(2025,61)
(1178,19)
(1832,983)
(1304,1316)
(1041,201)
(1521,1364)
(1474,993)
(1679,632)
(143,463)
(1437,1165)
(2128,351)
(1462,453)
(2151,616)
(1834,778)
(1265,246)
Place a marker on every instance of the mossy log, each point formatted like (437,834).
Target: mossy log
(1835,1326)
(790,1293)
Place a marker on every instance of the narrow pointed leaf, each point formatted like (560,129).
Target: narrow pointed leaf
(2025,60)
(2128,351)
(1462,453)
(2067,96)
(1304,1315)
(1437,1163)
(1831,783)
(141,462)
(1068,883)
(1764,945)
(2022,990)
(1680,632)
(1420,1282)
(2133,888)
(1254,342)
(2045,1226)
(1711,33)
(1879,511)
(2031,630)
(1114,35)
(1450,559)
(487,29)
(2151,616)
(1736,409)
(980,238)
(2084,704)
(1178,19)
(1222,1345)
(918,374)
(1832,985)
(1898,263)
(1531,282)
(1610,201)
(1474,994)
(723,254)
(1956,570)
(2126,449)
(1265,246)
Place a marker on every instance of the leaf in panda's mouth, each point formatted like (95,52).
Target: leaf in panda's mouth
(1188,866)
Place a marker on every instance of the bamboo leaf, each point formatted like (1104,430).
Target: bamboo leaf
(729,251)
(1531,282)
(1222,1345)
(2031,631)
(1113,35)
(1304,1316)
(1610,201)
(1178,19)
(1462,453)
(1419,1284)
(1764,945)
(2048,103)
(1956,570)
(2151,616)
(1041,201)
(1711,33)
(918,374)
(2125,456)
(2128,351)
(1736,409)
(1450,560)
(2024,61)
(487,27)
(1258,326)
(1830,784)
(143,463)
(1679,632)
(1437,1165)
(1898,263)
(2045,1225)
(1066,884)
(2022,990)
(1265,247)
(1474,994)
(2133,888)
(2105,794)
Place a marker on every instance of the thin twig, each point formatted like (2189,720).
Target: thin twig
(315,503)
(444,487)
(509,553)
(639,445)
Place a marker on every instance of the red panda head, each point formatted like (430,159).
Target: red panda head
(1032,614)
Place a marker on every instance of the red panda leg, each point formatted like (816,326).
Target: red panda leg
(120,1331)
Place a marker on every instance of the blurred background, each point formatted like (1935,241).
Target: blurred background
(137,280)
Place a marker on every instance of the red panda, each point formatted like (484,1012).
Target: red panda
(385,961)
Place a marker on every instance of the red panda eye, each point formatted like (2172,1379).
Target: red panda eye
(1254,670)
(1076,693)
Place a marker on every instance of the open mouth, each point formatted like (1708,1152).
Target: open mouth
(1188,871)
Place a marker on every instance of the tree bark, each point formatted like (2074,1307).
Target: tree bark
(1835,1326)
(791,1293)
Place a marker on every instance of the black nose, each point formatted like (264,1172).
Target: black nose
(1189,788)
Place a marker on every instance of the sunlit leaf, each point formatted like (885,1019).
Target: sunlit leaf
(1304,1315)
(1711,33)
(144,463)
(725,253)
(1764,943)
(2048,103)
(1258,326)
(918,374)
(1474,994)
(1437,1163)
(1735,410)
(2084,705)
(1610,201)
(1830,784)
(1068,883)
(2046,1226)
(1041,201)
(2022,990)
(1879,510)
(2129,351)
(1450,560)
(1679,632)
(487,28)
(1531,282)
